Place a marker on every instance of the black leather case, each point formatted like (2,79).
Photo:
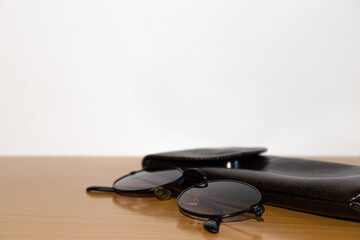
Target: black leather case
(330,189)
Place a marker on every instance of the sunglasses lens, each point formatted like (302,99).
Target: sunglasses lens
(219,198)
(146,180)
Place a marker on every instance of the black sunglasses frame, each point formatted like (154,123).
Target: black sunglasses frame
(211,225)
(253,208)
(150,191)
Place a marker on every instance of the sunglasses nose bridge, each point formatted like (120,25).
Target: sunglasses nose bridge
(200,172)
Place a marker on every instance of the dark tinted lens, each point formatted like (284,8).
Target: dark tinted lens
(219,198)
(145,180)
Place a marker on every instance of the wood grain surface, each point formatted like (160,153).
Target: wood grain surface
(45,198)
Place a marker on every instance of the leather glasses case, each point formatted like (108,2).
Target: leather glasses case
(325,188)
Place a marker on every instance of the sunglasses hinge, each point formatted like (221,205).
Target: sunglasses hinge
(256,210)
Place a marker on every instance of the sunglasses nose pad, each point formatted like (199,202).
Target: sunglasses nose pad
(162,193)
(212,225)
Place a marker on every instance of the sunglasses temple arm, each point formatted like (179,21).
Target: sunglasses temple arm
(99,189)
(212,225)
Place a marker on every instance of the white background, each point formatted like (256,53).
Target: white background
(142,76)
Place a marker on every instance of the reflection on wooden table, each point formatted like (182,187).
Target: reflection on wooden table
(45,198)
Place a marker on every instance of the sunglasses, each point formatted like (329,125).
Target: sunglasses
(213,200)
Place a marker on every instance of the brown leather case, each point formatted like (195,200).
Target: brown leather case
(325,188)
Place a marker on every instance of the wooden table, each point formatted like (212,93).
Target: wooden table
(45,198)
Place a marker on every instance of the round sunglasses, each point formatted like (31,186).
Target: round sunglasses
(215,199)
